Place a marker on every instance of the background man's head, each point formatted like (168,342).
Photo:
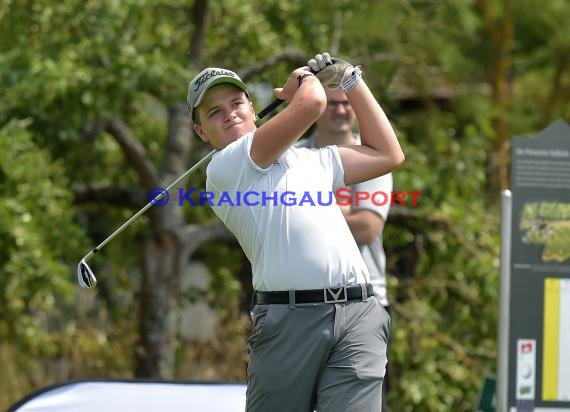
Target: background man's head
(339,118)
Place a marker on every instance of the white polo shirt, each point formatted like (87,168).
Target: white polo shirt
(293,239)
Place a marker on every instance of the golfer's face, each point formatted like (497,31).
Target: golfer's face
(338,116)
(226,114)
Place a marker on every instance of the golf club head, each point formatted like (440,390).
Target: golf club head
(85,275)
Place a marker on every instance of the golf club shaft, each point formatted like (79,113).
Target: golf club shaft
(148,205)
(274,104)
(261,114)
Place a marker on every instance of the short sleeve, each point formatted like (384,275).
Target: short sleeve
(380,192)
(336,166)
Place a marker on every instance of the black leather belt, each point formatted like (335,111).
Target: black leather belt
(337,294)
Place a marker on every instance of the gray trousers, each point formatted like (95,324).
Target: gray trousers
(328,357)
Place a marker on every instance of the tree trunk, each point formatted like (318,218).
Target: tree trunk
(199,16)
(158,308)
(501,33)
(163,261)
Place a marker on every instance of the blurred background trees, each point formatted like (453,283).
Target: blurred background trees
(92,116)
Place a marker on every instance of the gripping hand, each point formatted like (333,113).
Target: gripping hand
(333,72)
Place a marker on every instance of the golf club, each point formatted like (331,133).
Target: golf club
(85,276)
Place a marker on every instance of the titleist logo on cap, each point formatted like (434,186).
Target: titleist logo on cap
(200,80)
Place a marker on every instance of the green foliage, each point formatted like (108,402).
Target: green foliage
(99,61)
(444,316)
(37,223)
(37,259)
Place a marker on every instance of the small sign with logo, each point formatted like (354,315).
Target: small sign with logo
(526,374)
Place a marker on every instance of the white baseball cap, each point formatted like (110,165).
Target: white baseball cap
(207,78)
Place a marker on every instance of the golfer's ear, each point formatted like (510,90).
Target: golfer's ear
(200,132)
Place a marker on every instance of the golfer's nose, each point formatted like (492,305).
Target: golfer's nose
(230,115)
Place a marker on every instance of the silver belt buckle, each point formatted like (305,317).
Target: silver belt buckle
(336,295)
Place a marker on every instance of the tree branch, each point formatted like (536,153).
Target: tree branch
(199,17)
(294,56)
(402,215)
(178,144)
(92,131)
(134,152)
(195,235)
(112,195)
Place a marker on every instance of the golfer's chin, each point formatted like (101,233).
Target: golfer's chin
(343,128)
(234,133)
(341,124)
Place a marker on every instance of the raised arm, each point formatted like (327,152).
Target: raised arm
(307,101)
(380,152)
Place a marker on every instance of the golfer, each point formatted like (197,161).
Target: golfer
(318,331)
